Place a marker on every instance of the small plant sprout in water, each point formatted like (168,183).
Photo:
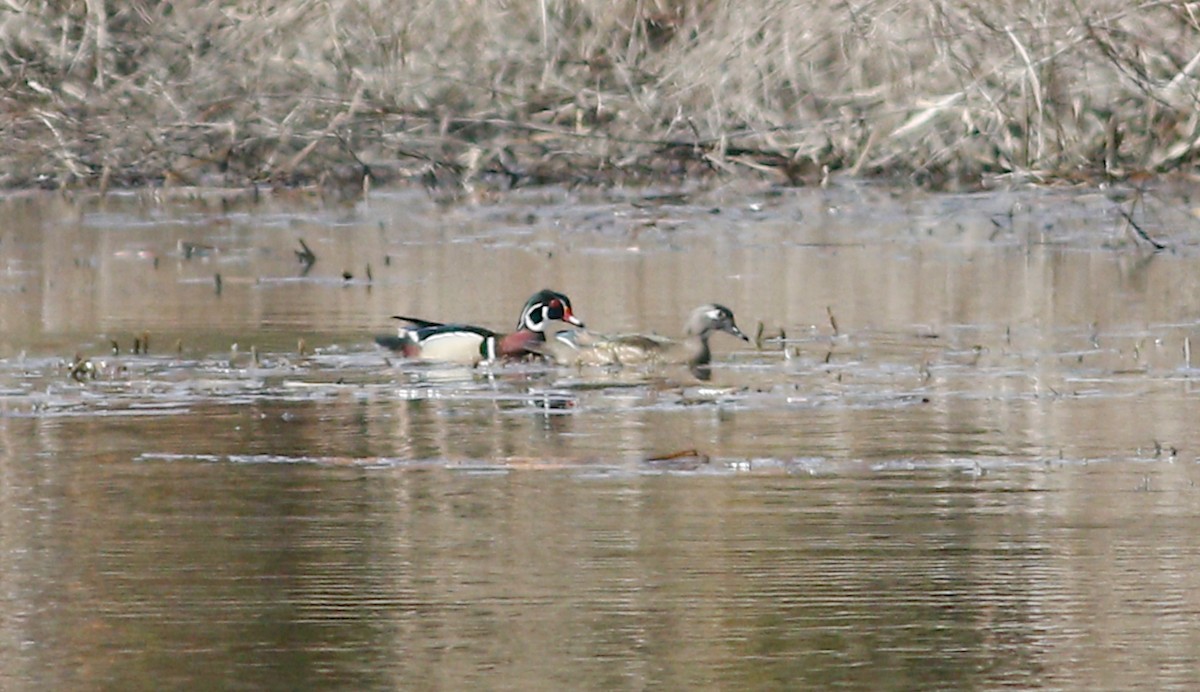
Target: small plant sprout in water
(83,369)
(305,255)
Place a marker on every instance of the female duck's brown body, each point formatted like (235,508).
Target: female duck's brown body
(587,348)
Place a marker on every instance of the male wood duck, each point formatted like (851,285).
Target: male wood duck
(582,347)
(461,343)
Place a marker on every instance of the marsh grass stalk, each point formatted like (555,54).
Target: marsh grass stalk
(462,94)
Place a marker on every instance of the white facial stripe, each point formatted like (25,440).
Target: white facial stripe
(527,318)
(527,321)
(714,314)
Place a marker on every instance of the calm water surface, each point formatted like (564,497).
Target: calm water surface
(964,455)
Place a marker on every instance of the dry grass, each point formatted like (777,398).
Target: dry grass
(467,92)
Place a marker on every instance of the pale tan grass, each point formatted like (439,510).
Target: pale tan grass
(463,92)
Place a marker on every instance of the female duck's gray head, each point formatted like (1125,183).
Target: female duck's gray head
(546,306)
(707,319)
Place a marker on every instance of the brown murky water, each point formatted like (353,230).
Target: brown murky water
(984,476)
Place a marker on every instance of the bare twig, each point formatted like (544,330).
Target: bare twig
(1137,228)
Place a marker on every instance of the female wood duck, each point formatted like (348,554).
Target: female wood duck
(461,343)
(582,347)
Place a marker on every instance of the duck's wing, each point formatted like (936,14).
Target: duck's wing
(579,339)
(590,348)
(574,347)
(643,342)
(418,322)
(635,349)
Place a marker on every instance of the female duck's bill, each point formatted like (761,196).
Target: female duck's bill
(461,343)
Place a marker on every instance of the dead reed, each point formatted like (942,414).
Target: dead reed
(463,93)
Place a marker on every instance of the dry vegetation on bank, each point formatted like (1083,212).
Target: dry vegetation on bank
(465,92)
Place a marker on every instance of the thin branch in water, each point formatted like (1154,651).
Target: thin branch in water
(1137,228)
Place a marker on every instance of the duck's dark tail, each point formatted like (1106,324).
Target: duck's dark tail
(399,344)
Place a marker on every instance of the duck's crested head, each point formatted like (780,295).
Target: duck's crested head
(710,318)
(546,306)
